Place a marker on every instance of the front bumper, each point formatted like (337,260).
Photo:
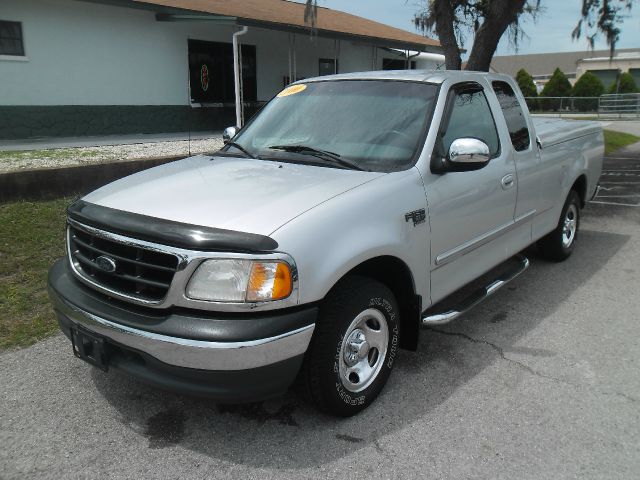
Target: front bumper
(231,357)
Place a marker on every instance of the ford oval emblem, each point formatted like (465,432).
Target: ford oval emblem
(106,264)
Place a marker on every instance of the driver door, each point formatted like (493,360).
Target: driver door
(470,212)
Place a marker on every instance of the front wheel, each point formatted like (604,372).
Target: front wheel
(559,244)
(353,348)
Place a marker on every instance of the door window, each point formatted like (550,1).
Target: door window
(513,115)
(469,116)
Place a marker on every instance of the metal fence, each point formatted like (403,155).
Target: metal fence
(618,105)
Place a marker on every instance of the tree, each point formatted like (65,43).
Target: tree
(601,16)
(526,84)
(626,84)
(557,86)
(488,20)
(588,85)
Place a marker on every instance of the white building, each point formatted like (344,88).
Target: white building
(72,67)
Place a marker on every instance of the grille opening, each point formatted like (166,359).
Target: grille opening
(139,272)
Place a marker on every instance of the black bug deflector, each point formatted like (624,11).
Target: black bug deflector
(168,232)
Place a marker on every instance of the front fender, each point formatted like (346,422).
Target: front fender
(363,223)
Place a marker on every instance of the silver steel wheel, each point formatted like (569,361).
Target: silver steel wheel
(570,226)
(363,350)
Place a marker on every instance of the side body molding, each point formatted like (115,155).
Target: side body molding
(485,238)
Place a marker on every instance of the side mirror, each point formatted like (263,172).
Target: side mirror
(465,155)
(469,151)
(229,133)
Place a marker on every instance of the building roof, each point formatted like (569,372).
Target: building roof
(289,15)
(543,64)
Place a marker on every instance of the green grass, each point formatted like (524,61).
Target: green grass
(31,239)
(616,140)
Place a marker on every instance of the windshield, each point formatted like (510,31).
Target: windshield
(371,124)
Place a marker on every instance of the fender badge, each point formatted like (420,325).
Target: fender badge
(418,216)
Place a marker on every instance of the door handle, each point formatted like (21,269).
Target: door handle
(507,181)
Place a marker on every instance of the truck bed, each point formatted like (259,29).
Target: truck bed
(552,130)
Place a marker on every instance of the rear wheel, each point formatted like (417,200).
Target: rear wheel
(559,244)
(353,348)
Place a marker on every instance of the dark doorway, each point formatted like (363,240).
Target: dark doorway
(211,72)
(397,64)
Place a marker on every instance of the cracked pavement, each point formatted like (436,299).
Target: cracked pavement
(539,381)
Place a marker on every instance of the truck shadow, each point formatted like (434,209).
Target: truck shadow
(287,433)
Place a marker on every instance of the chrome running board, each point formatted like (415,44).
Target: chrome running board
(438,317)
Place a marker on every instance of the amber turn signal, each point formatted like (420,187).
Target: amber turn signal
(269,281)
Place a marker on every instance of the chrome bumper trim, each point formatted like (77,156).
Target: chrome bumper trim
(198,354)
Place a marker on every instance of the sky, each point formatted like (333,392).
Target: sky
(550,33)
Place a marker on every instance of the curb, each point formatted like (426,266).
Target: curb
(50,183)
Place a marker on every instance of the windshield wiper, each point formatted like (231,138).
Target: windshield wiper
(239,147)
(323,154)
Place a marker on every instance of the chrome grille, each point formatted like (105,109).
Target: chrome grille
(125,269)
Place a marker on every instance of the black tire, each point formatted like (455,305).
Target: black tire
(554,245)
(321,376)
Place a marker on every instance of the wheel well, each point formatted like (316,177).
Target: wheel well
(395,275)
(580,186)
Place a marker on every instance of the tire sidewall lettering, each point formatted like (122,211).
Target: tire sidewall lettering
(387,309)
(384,305)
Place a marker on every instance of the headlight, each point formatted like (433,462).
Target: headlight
(240,280)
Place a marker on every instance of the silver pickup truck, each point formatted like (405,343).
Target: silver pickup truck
(350,211)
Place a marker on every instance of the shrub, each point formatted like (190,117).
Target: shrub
(557,86)
(588,85)
(627,84)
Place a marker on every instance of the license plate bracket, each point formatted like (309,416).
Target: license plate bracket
(90,348)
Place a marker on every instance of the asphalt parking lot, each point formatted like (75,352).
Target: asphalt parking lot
(540,381)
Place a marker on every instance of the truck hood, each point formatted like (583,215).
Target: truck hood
(254,196)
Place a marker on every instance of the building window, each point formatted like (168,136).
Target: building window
(327,66)
(211,72)
(11,39)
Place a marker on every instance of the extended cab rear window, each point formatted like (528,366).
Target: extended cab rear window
(513,115)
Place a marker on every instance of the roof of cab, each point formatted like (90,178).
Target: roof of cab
(428,76)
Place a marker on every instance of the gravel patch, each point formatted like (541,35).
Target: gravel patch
(63,157)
